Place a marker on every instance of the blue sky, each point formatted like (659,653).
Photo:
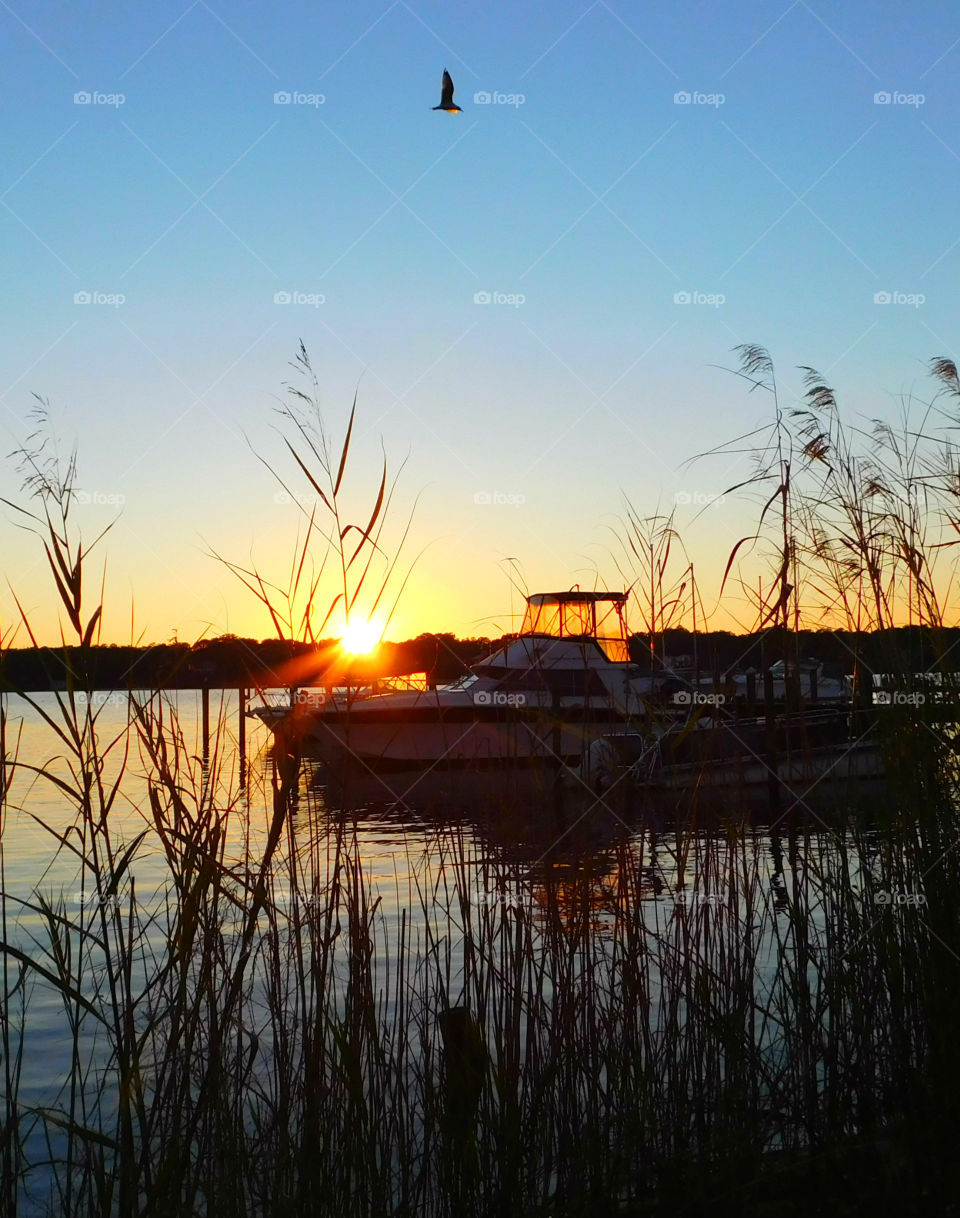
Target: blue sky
(782,197)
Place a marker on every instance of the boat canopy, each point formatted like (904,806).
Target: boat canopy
(578,615)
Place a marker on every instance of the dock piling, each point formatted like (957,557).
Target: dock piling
(242,729)
(205,719)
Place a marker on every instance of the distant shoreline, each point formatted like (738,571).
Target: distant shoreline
(229,662)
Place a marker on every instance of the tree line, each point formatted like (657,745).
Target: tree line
(229,661)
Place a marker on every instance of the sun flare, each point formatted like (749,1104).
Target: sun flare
(361,637)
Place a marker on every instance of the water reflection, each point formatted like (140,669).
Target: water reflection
(531,846)
(530,903)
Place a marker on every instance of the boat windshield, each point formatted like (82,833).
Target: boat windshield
(616,650)
(463,682)
(595,615)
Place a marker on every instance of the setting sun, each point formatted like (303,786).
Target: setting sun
(361,636)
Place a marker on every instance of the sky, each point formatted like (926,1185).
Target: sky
(535,301)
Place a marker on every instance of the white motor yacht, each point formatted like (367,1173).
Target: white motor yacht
(562,683)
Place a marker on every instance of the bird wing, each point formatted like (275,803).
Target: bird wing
(446,89)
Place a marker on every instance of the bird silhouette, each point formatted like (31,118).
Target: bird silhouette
(446,95)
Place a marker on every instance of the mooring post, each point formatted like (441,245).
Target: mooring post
(796,690)
(205,717)
(768,691)
(242,727)
(773,782)
(813,684)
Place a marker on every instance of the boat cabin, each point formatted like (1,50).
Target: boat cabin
(580,615)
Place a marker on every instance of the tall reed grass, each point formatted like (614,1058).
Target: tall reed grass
(694,1014)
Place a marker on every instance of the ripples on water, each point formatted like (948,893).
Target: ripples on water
(435,853)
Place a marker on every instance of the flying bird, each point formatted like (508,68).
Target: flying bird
(446,95)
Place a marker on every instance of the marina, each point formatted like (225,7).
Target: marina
(564,695)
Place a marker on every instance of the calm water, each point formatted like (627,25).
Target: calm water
(520,838)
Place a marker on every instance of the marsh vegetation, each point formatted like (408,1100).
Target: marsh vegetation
(565,1005)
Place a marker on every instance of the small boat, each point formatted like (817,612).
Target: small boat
(541,696)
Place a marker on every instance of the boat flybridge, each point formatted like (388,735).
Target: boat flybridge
(546,694)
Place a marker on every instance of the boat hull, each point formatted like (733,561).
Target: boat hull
(450,736)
